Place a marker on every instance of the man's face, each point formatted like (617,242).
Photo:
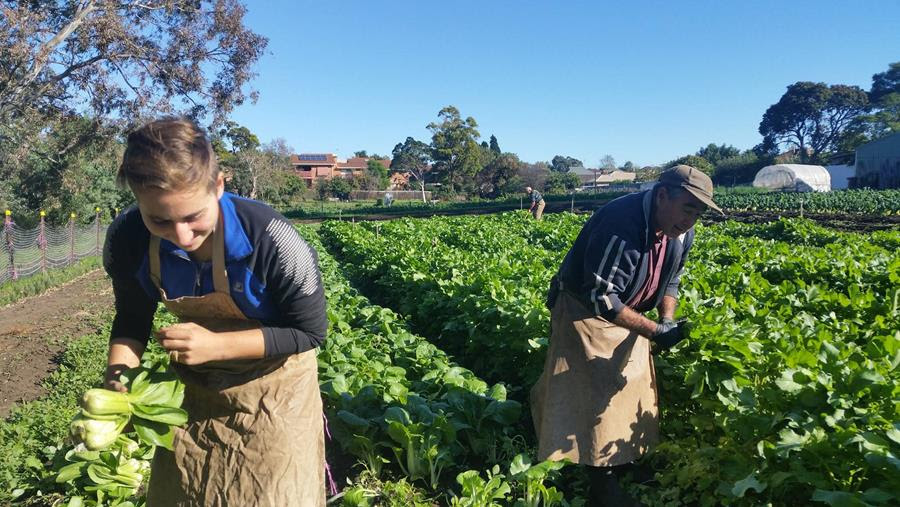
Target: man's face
(186,218)
(676,216)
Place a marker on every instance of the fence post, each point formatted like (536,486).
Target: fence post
(42,242)
(71,239)
(97,221)
(7,227)
(572,206)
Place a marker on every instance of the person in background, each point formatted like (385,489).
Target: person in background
(537,203)
(248,292)
(595,402)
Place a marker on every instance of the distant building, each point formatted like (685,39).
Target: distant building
(311,167)
(598,178)
(878,163)
(841,174)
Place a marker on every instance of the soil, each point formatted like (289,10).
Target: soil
(35,330)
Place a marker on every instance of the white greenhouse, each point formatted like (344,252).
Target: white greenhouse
(793,178)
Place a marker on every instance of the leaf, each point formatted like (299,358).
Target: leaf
(154,433)
(167,415)
(838,498)
(71,471)
(749,482)
(503,412)
(353,420)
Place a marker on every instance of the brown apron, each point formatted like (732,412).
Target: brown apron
(595,402)
(254,436)
(538,210)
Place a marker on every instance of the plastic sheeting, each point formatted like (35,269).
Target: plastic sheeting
(793,178)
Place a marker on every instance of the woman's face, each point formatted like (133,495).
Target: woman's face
(185,217)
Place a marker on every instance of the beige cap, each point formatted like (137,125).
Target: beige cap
(693,180)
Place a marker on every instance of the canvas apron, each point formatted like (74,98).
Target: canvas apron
(538,210)
(595,402)
(254,435)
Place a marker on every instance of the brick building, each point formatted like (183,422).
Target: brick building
(311,167)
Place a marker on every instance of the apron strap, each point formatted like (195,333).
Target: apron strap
(220,274)
(153,257)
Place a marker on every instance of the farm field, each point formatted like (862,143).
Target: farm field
(787,392)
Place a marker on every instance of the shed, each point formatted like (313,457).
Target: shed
(840,175)
(878,163)
(793,178)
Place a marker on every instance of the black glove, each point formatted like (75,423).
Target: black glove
(668,333)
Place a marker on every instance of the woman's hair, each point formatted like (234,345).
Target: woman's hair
(168,154)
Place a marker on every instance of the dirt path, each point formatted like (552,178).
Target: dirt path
(35,330)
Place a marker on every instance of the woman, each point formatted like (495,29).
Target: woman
(248,293)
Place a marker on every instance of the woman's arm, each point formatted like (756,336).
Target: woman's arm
(190,343)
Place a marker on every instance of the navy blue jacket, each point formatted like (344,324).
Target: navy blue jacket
(608,263)
(273,274)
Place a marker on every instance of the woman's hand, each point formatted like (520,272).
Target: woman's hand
(111,380)
(190,344)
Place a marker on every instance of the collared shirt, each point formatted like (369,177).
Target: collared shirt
(645,297)
(536,196)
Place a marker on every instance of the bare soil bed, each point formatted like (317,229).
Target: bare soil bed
(35,330)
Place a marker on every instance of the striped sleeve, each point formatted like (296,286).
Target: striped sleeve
(609,264)
(295,285)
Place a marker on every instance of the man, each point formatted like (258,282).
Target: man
(537,203)
(595,402)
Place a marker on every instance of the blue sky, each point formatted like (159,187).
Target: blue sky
(646,81)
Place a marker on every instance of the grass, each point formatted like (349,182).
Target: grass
(25,435)
(14,290)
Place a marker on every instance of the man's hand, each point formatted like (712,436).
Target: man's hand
(189,343)
(668,333)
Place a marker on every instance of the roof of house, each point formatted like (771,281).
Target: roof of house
(314,159)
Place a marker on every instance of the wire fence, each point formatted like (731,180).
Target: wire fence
(24,252)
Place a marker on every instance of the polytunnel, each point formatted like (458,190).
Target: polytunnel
(793,178)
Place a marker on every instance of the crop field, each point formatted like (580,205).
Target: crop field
(786,393)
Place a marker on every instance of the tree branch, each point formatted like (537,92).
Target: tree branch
(46,49)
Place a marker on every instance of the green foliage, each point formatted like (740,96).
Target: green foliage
(562,164)
(812,118)
(339,188)
(561,183)
(14,290)
(455,149)
(739,169)
(70,168)
(378,174)
(714,153)
(494,145)
(695,161)
(499,175)
(784,393)
(873,202)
